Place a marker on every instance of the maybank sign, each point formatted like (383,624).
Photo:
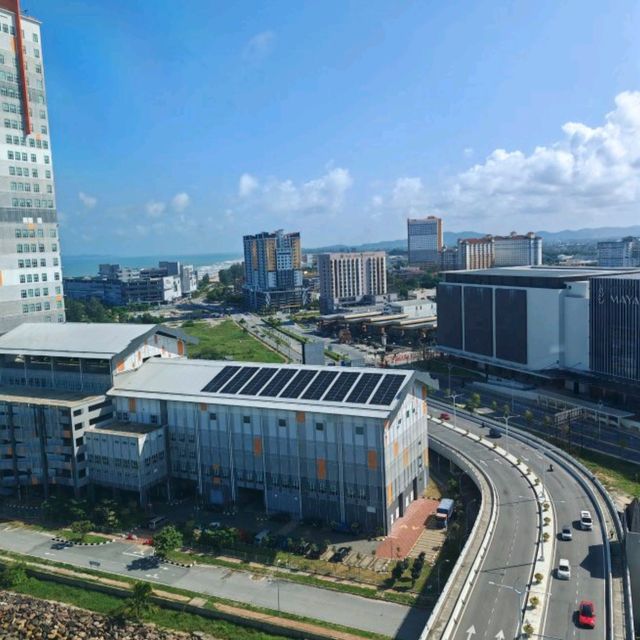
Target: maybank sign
(617,298)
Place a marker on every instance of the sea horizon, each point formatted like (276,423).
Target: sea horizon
(88,264)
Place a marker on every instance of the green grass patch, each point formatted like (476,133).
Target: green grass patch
(71,536)
(614,474)
(228,340)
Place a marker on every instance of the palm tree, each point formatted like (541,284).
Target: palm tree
(139,603)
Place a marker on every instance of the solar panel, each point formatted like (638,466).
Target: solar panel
(341,387)
(239,380)
(257,382)
(221,379)
(298,384)
(364,388)
(278,382)
(387,390)
(320,384)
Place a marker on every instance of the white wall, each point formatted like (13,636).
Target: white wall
(544,340)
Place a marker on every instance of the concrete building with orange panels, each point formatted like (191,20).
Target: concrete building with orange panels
(347,446)
(54,380)
(31,288)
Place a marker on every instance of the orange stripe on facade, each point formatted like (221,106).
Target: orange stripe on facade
(372,459)
(321,469)
(257,446)
(300,417)
(180,348)
(132,405)
(396,449)
(405,457)
(389,494)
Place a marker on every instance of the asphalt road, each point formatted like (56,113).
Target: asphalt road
(584,552)
(134,561)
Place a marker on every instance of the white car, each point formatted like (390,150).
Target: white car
(563,572)
(586,521)
(566,533)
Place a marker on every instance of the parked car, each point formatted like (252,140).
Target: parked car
(494,432)
(156,522)
(340,554)
(566,533)
(586,614)
(132,536)
(586,521)
(563,572)
(445,416)
(261,536)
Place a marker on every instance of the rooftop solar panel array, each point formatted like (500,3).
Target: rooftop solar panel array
(257,382)
(320,384)
(352,387)
(298,384)
(341,387)
(220,380)
(239,380)
(387,390)
(364,388)
(277,383)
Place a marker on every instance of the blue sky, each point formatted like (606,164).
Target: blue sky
(179,126)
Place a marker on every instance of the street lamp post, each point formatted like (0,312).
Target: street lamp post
(453,397)
(521,593)
(449,366)
(506,422)
(600,405)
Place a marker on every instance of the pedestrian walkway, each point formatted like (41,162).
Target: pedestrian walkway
(407,530)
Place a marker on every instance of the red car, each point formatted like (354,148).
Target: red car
(445,416)
(586,614)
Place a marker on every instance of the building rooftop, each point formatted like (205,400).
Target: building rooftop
(137,429)
(533,276)
(78,339)
(46,397)
(634,275)
(343,390)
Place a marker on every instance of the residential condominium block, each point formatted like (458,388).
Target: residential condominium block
(424,241)
(30,269)
(53,384)
(476,253)
(619,253)
(517,250)
(351,278)
(273,271)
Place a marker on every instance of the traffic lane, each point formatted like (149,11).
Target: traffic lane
(586,554)
(134,561)
(493,606)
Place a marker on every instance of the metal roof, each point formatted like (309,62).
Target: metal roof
(77,339)
(561,273)
(360,391)
(47,397)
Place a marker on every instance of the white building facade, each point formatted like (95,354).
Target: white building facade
(30,268)
(351,278)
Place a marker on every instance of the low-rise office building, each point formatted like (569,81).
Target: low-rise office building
(53,384)
(343,446)
(543,319)
(127,456)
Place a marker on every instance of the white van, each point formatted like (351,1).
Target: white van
(586,521)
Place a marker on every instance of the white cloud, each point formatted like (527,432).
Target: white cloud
(88,201)
(155,209)
(259,47)
(247,185)
(408,195)
(322,195)
(377,201)
(180,201)
(584,178)
(468,152)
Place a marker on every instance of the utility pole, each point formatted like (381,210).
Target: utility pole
(453,397)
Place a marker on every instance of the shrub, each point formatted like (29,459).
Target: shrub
(528,629)
(13,575)
(547,520)
(545,536)
(538,577)
(534,601)
(167,540)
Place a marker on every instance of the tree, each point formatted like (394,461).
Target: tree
(528,416)
(506,409)
(139,603)
(81,528)
(106,515)
(416,570)
(494,405)
(167,540)
(397,571)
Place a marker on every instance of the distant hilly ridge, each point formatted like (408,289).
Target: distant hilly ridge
(592,234)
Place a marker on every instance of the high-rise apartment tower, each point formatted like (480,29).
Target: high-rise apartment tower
(273,271)
(424,241)
(351,278)
(30,269)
